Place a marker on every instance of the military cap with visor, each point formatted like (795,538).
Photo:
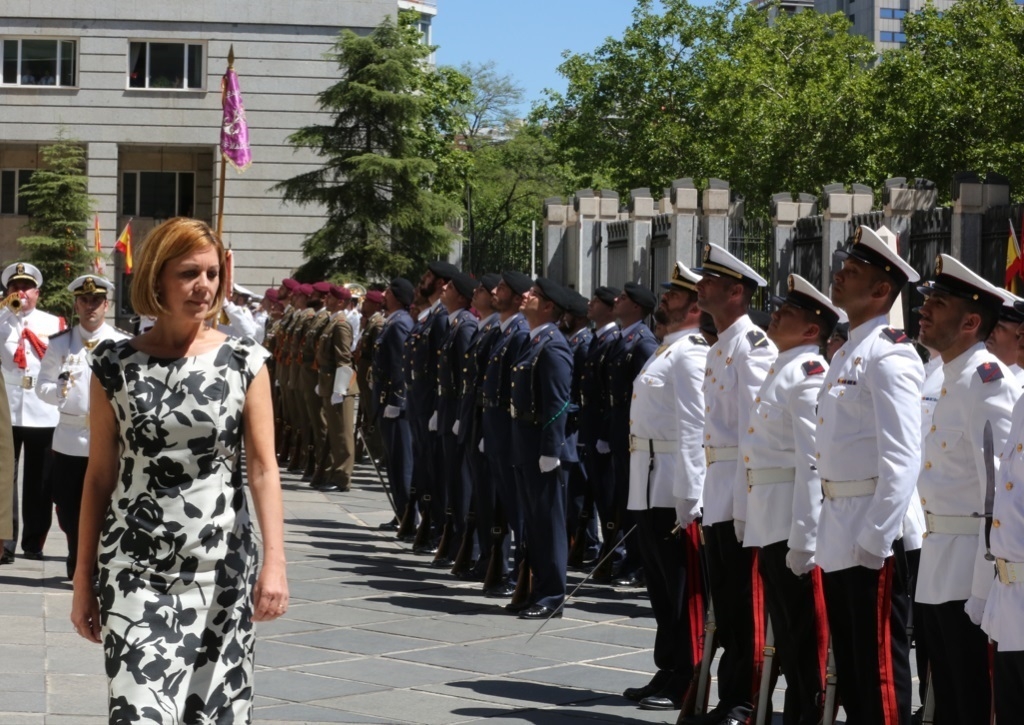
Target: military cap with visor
(953,278)
(801,293)
(90,284)
(682,278)
(718,262)
(869,247)
(21,270)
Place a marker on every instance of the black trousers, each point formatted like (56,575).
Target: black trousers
(485,502)
(542,503)
(398,459)
(36,504)
(796,606)
(1009,685)
(506,478)
(959,662)
(667,570)
(630,553)
(575,502)
(867,616)
(67,474)
(735,584)
(458,489)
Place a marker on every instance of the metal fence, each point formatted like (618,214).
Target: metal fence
(806,249)
(504,250)
(995,235)
(752,240)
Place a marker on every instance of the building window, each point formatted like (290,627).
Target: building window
(11,181)
(851,18)
(38,62)
(165,65)
(158,194)
(887,36)
(891,14)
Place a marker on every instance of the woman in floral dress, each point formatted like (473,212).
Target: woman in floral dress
(163,509)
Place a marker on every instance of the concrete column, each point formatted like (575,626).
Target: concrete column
(101,168)
(839,208)
(579,235)
(553,238)
(641,214)
(785,213)
(901,199)
(715,213)
(684,207)
(607,213)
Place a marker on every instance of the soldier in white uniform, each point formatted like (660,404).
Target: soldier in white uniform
(736,366)
(64,382)
(238,316)
(1004,608)
(958,315)
(869,457)
(25,333)
(784,492)
(666,478)
(1003,341)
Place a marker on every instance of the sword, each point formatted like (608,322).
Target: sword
(829,714)
(384,483)
(764,699)
(585,579)
(988,453)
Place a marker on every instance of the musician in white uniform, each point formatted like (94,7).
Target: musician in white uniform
(64,382)
(869,456)
(25,333)
(784,492)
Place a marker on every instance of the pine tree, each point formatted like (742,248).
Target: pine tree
(59,207)
(390,179)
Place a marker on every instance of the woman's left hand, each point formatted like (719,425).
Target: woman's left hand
(271,595)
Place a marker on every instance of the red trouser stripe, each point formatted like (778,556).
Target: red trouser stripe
(694,592)
(890,710)
(820,622)
(757,595)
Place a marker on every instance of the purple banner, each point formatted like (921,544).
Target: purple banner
(234,134)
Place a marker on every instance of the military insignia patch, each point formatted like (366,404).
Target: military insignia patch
(707,253)
(789,283)
(989,372)
(857,236)
(938,265)
(757,338)
(698,340)
(813,367)
(895,335)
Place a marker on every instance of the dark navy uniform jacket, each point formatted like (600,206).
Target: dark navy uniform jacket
(505,350)
(388,360)
(541,386)
(623,362)
(422,353)
(450,368)
(475,362)
(579,346)
(590,383)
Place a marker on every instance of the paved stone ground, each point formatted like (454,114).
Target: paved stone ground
(373,635)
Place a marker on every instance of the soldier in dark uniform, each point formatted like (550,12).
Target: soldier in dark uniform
(372,322)
(454,486)
(623,362)
(496,419)
(389,392)
(541,383)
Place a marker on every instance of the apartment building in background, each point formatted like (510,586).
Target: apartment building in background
(138,84)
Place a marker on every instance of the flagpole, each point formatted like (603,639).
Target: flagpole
(223,157)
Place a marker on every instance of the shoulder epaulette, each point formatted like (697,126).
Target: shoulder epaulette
(757,338)
(989,372)
(65,331)
(813,367)
(895,335)
(699,340)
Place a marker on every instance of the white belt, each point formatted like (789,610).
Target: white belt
(848,489)
(760,476)
(956,525)
(648,445)
(1009,572)
(78,421)
(721,453)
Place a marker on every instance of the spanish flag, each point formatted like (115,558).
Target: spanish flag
(124,245)
(1014,265)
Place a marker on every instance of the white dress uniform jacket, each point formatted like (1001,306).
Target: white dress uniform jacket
(976,388)
(67,354)
(260,317)
(780,437)
(26,407)
(668,408)
(869,427)
(736,366)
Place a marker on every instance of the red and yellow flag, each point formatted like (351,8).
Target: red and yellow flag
(1014,264)
(97,261)
(124,245)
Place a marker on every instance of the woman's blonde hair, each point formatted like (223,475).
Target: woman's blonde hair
(172,239)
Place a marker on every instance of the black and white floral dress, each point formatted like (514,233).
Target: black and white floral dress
(177,554)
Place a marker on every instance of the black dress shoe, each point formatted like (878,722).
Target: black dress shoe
(391,525)
(33,555)
(443,563)
(517,608)
(500,591)
(539,611)
(7,557)
(327,487)
(425,549)
(631,581)
(636,694)
(660,702)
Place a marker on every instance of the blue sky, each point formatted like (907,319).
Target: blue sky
(525,38)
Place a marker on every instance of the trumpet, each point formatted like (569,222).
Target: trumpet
(12,300)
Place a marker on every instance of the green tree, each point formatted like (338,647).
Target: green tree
(391,172)
(59,207)
(950,98)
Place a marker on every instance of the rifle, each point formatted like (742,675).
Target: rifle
(422,539)
(383,481)
(521,596)
(464,556)
(579,540)
(444,543)
(407,529)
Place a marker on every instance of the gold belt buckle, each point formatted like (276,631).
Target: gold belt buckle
(26,382)
(1005,575)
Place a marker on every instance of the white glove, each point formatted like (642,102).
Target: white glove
(800,562)
(455,428)
(549,463)
(863,557)
(481,446)
(342,378)
(687,511)
(336,398)
(316,389)
(975,608)
(741,528)
(603,447)
(392,411)
(432,423)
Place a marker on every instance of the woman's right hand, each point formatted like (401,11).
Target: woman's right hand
(85,610)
